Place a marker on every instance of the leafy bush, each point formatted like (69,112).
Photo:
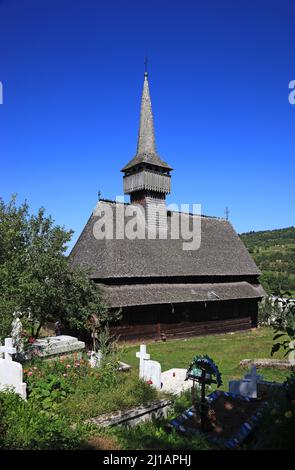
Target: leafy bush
(268,311)
(50,382)
(24,426)
(285,328)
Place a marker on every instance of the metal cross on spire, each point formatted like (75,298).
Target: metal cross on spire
(145,66)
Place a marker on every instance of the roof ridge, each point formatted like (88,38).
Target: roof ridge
(112,201)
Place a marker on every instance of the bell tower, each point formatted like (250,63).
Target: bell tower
(147,177)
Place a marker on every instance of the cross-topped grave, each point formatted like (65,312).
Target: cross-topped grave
(248,385)
(7,349)
(11,373)
(252,375)
(149,370)
(142,356)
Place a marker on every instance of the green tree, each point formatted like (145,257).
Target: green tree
(36,277)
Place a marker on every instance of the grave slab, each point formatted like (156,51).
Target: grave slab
(173,381)
(55,345)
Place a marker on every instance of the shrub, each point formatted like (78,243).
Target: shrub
(24,426)
(268,311)
(285,328)
(50,382)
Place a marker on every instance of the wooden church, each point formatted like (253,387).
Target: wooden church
(163,290)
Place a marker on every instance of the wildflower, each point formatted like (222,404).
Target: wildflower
(77,364)
(288,414)
(35,368)
(65,375)
(30,373)
(68,366)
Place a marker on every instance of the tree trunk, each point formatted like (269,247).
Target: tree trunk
(38,330)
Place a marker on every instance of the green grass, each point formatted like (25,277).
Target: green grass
(227,350)
(152,436)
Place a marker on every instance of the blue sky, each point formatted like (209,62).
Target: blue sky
(72,73)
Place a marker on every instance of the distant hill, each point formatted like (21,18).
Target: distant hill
(274,253)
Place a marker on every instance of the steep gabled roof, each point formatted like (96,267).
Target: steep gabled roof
(221,253)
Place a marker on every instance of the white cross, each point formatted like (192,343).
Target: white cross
(142,356)
(8,349)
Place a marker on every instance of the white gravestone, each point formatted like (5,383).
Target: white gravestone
(247,386)
(11,373)
(150,371)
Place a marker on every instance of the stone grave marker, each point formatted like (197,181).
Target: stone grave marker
(11,373)
(150,371)
(246,387)
(55,345)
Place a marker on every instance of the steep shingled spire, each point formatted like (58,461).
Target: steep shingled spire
(146,145)
(146,135)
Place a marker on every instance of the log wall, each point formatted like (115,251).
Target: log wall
(160,331)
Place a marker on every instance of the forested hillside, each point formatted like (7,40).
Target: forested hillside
(274,253)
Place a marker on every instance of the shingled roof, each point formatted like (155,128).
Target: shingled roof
(147,294)
(221,253)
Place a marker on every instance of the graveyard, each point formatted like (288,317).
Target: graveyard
(182,394)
